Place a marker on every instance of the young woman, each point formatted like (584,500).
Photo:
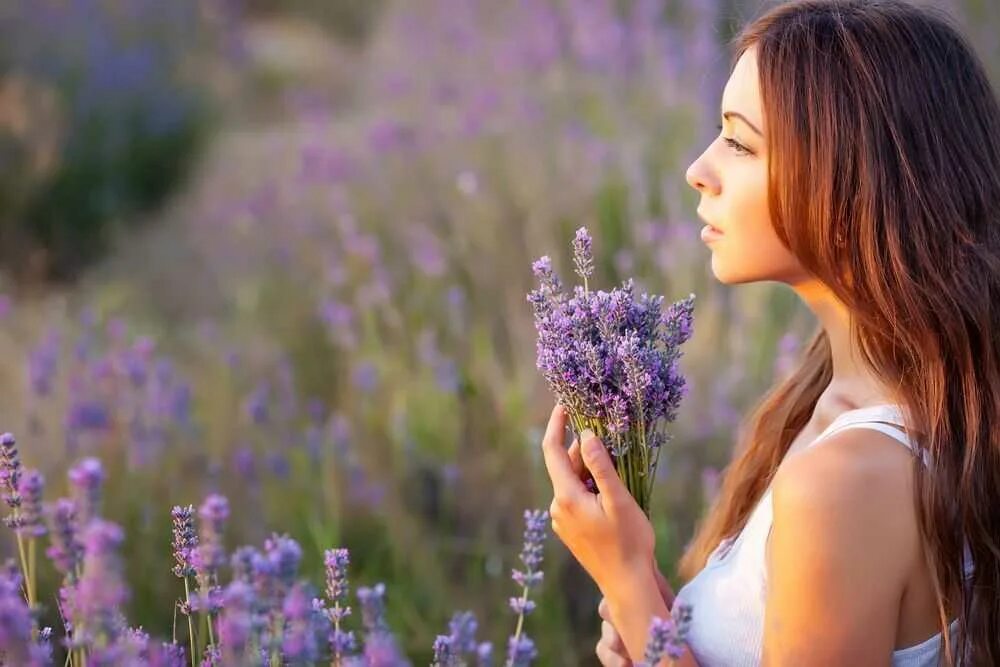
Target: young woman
(859,522)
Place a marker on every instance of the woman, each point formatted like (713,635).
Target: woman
(859,164)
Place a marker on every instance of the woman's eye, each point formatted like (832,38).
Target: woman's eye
(735,145)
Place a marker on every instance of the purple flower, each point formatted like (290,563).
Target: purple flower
(520,651)
(611,358)
(462,630)
(10,470)
(536,523)
(257,403)
(185,540)
(66,550)
(213,513)
(236,624)
(484,654)
(15,618)
(336,562)
(93,605)
(30,518)
(300,644)
(87,478)
(372,599)
(666,636)
(284,554)
(583,254)
(445,654)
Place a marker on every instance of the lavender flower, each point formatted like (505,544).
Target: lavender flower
(185,540)
(380,646)
(16,645)
(87,478)
(236,623)
(520,649)
(611,358)
(10,470)
(93,605)
(30,520)
(666,636)
(337,561)
(484,654)
(462,630)
(583,256)
(212,553)
(300,645)
(445,654)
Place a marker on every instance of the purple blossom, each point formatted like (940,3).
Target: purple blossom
(666,636)
(520,649)
(66,550)
(484,654)
(336,562)
(583,253)
(611,358)
(87,479)
(15,619)
(236,623)
(213,512)
(185,540)
(300,644)
(30,518)
(445,654)
(10,470)
(462,630)
(93,605)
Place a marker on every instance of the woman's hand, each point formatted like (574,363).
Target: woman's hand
(608,533)
(610,648)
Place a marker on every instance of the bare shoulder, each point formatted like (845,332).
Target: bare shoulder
(841,549)
(858,480)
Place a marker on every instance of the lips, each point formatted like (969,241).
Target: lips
(706,221)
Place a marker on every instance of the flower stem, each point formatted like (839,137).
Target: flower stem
(187,599)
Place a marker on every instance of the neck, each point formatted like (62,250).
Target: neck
(853,384)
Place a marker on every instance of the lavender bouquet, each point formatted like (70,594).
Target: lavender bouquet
(611,358)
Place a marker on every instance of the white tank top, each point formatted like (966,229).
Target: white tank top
(727,596)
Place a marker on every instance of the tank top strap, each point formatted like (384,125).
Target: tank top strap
(886,418)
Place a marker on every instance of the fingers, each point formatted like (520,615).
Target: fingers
(603,610)
(566,486)
(576,459)
(610,649)
(598,462)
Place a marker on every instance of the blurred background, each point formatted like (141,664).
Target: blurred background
(279,249)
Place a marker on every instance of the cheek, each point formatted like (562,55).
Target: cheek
(750,251)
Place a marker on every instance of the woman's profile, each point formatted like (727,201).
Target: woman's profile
(858,163)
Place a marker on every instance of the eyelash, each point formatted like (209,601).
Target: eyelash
(735,145)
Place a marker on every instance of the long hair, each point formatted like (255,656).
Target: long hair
(883,130)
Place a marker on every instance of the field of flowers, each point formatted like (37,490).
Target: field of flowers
(325,343)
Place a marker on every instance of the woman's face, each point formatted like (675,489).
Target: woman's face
(731,175)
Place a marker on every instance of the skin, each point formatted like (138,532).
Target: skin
(844,548)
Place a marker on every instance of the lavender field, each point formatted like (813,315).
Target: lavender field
(319,338)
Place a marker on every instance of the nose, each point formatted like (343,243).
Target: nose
(700,177)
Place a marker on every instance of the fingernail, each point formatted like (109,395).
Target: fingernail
(585,435)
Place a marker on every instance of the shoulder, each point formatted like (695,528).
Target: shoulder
(854,487)
(841,547)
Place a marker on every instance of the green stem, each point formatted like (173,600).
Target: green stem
(187,599)
(520,620)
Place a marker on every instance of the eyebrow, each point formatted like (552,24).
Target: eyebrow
(736,114)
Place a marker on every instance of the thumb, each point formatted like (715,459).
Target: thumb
(598,462)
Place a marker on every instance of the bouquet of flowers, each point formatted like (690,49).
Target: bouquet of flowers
(611,358)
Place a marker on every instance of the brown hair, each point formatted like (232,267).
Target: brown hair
(884,131)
